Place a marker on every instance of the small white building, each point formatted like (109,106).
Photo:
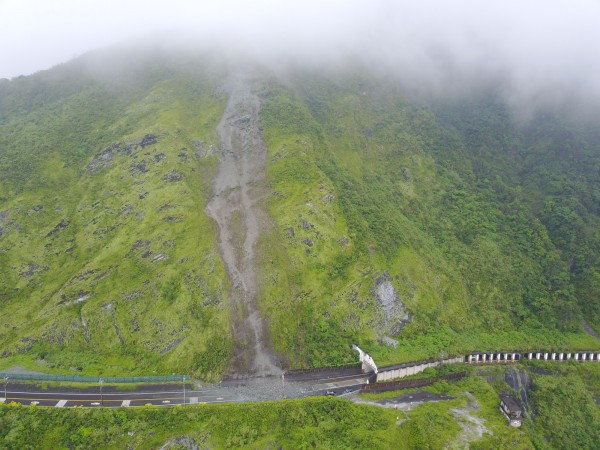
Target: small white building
(511,408)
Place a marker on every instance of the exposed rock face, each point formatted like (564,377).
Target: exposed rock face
(204,150)
(148,140)
(395,316)
(519,380)
(239,188)
(473,426)
(60,226)
(183,442)
(138,168)
(3,226)
(30,269)
(389,341)
(102,160)
(173,176)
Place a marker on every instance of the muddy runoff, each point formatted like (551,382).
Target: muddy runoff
(237,208)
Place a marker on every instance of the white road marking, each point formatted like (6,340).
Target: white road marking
(95,403)
(193,400)
(83,394)
(35,402)
(125,403)
(61,403)
(166,401)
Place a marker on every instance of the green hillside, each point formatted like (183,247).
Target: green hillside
(412,229)
(486,229)
(108,262)
(566,417)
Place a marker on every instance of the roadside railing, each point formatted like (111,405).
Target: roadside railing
(82,379)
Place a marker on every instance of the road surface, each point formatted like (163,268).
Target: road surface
(251,389)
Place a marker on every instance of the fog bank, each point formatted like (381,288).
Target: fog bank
(538,52)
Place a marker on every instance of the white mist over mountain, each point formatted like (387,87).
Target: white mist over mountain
(535,51)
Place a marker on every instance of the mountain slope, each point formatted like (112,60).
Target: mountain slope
(425,219)
(108,262)
(412,229)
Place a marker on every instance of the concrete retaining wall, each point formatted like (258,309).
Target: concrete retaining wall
(404,370)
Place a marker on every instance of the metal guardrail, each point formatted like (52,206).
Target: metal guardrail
(82,379)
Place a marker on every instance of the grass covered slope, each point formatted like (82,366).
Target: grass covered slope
(439,229)
(423,224)
(322,423)
(108,262)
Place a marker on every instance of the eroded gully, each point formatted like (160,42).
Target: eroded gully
(236,207)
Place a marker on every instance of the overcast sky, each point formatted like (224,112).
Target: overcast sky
(536,46)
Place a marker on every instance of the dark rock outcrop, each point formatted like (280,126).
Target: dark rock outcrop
(102,160)
(173,176)
(148,140)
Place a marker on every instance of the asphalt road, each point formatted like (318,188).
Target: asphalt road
(258,389)
(110,397)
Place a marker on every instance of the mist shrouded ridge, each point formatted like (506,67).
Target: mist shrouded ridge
(407,227)
(538,53)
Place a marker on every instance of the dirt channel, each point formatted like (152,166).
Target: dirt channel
(237,208)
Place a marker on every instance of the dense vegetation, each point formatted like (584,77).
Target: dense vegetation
(438,227)
(562,416)
(566,413)
(108,264)
(487,228)
(311,423)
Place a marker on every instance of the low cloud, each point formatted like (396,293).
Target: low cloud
(538,52)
